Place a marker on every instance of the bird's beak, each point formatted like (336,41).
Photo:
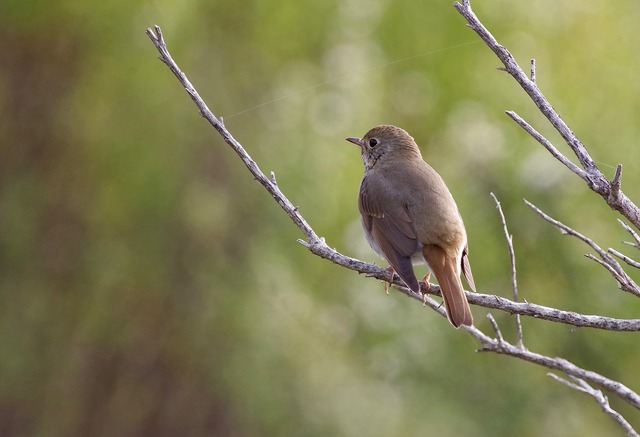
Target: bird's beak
(356,141)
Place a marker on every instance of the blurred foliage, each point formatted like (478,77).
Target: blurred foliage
(150,287)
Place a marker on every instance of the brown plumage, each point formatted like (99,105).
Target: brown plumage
(409,215)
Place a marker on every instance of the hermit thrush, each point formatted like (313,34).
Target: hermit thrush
(409,216)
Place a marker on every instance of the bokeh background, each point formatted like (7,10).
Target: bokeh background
(149,287)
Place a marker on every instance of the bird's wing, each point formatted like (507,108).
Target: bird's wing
(388,223)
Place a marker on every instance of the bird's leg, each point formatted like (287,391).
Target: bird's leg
(427,286)
(387,284)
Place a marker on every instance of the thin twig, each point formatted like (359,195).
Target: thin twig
(609,262)
(633,233)
(206,113)
(496,328)
(512,260)
(503,347)
(547,145)
(596,180)
(625,258)
(606,265)
(529,86)
(616,183)
(581,385)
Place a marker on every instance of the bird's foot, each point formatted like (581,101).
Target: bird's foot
(427,287)
(388,283)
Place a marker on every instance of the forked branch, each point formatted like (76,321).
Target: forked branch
(590,173)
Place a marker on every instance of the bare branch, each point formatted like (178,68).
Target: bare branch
(609,262)
(206,113)
(596,180)
(550,314)
(529,86)
(501,346)
(490,301)
(512,260)
(625,258)
(601,399)
(496,328)
(566,382)
(547,145)
(633,233)
(616,182)
(611,270)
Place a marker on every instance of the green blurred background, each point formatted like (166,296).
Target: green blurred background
(149,287)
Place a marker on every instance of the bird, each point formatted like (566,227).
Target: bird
(409,216)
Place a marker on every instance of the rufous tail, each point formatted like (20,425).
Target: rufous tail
(455,301)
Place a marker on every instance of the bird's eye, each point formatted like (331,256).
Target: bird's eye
(373,142)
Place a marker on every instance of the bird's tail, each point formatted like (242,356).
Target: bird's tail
(448,276)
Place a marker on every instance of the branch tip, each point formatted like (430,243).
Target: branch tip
(633,233)
(495,327)
(616,182)
(155,34)
(623,257)
(512,262)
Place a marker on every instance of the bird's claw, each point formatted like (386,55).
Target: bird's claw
(427,287)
